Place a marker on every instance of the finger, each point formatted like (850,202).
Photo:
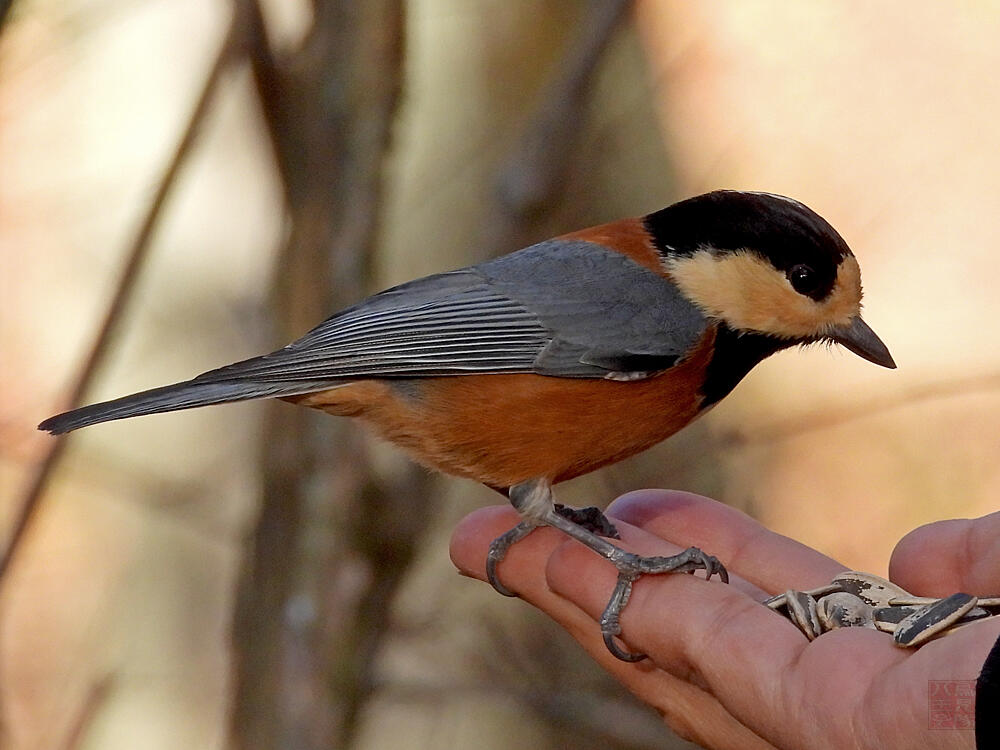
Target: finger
(474,533)
(695,715)
(522,569)
(948,556)
(646,543)
(768,560)
(753,661)
(690,711)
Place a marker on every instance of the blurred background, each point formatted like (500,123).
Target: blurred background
(184,183)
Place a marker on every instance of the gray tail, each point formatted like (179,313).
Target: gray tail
(186,395)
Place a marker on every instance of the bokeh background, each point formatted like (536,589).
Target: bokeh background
(256,576)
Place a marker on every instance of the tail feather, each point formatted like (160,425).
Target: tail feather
(186,395)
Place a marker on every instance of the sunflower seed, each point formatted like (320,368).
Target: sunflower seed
(887,618)
(875,590)
(932,619)
(802,611)
(906,601)
(976,613)
(830,588)
(778,600)
(843,610)
(775,602)
(857,599)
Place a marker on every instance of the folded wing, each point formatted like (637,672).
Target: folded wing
(561,308)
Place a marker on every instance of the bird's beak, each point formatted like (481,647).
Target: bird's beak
(861,340)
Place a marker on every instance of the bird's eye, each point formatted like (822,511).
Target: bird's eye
(803,278)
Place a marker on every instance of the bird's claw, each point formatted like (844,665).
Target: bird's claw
(611,617)
(630,568)
(591,519)
(498,550)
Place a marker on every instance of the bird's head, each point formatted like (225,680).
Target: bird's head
(766,264)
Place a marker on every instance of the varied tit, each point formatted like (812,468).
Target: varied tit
(565,356)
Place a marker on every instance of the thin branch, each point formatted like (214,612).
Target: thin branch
(271,85)
(5,6)
(136,257)
(534,171)
(328,106)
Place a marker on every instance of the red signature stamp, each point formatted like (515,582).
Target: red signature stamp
(951,704)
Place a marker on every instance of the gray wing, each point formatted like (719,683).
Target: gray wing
(562,308)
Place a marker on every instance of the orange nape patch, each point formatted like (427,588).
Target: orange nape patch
(749,294)
(626,236)
(505,429)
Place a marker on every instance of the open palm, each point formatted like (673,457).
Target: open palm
(725,671)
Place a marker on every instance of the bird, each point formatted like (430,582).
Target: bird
(553,361)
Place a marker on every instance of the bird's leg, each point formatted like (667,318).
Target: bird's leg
(589,518)
(533,500)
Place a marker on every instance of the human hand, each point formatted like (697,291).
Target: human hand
(725,671)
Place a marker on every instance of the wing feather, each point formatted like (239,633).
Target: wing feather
(564,308)
(561,308)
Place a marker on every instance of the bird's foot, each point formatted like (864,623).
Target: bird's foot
(630,568)
(498,550)
(533,500)
(591,519)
